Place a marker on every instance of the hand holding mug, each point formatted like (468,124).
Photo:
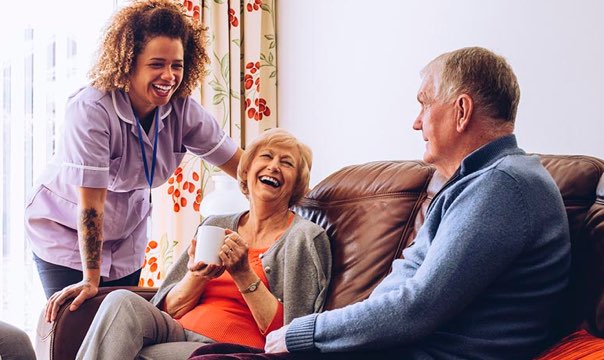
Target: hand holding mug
(233,253)
(203,252)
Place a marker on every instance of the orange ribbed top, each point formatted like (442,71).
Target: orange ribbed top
(578,345)
(223,315)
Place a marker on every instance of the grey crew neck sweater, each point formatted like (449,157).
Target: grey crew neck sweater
(482,278)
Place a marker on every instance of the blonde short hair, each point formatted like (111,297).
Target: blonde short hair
(282,138)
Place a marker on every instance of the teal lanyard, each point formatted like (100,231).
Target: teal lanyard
(149,175)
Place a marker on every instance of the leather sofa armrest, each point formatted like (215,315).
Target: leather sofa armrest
(62,338)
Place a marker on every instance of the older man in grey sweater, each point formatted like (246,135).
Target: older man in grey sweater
(493,256)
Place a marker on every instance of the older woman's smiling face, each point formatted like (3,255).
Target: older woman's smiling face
(273,173)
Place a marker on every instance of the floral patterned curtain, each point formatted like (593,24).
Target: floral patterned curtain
(240,90)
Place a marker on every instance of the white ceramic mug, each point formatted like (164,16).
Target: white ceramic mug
(209,241)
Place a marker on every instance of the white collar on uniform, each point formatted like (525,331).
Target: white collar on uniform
(123,108)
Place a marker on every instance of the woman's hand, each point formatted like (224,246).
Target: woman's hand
(234,254)
(200,269)
(80,291)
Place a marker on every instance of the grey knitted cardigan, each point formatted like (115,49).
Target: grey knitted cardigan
(297,266)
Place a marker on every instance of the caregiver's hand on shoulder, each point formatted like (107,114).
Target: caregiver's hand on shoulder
(81,291)
(275,341)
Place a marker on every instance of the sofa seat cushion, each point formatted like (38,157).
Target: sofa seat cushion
(579,345)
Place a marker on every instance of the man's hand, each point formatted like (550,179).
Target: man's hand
(81,292)
(275,341)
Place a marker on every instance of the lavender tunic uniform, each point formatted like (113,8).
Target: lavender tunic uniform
(101,149)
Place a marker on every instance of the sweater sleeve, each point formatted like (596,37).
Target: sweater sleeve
(301,269)
(467,241)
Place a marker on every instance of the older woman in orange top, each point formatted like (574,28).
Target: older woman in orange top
(275,267)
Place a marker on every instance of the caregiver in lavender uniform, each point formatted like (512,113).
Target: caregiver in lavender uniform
(124,134)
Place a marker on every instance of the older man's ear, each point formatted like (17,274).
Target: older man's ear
(464,107)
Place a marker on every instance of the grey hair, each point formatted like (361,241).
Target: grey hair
(485,76)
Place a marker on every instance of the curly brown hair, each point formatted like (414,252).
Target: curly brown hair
(129,31)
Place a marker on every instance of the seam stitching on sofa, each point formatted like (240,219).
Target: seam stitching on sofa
(322,203)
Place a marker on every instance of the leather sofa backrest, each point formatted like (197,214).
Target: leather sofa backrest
(372,211)
(581,184)
(369,213)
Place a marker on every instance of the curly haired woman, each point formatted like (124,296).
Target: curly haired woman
(124,134)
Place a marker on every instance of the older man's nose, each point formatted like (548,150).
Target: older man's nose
(417,124)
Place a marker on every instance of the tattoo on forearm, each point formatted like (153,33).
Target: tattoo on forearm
(91,237)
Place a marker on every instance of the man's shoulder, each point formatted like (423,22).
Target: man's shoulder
(519,163)
(520,182)
(518,179)
(526,170)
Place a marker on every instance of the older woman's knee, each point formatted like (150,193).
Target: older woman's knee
(122,297)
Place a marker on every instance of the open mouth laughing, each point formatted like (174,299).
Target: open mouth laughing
(271,181)
(162,89)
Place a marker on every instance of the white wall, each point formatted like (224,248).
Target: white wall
(349,71)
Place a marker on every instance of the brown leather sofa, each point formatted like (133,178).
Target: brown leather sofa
(373,211)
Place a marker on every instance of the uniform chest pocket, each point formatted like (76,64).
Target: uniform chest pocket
(126,174)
